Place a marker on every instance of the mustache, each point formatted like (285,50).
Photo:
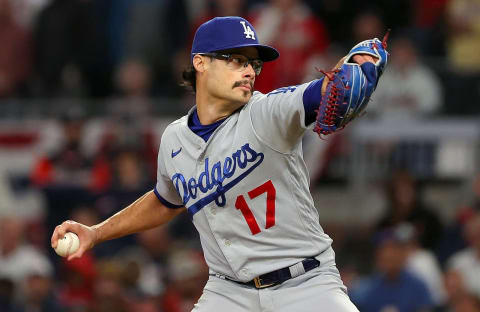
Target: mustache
(242,83)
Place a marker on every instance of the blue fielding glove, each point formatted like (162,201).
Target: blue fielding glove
(349,87)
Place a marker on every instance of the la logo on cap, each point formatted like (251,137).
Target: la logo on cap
(249,34)
(225,33)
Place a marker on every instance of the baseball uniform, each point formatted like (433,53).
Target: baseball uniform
(246,189)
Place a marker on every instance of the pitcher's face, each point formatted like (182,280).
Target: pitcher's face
(230,75)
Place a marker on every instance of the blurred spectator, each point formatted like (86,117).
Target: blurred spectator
(130,122)
(18,260)
(404,205)
(39,294)
(229,7)
(69,166)
(155,31)
(67,176)
(454,286)
(367,25)
(467,261)
(108,289)
(453,239)
(429,12)
(300,37)
(7,296)
(85,215)
(216,8)
(143,30)
(398,14)
(133,81)
(429,26)
(188,273)
(472,206)
(15,54)
(157,242)
(130,112)
(407,88)
(466,304)
(77,280)
(393,287)
(129,181)
(26,11)
(152,31)
(462,42)
(70,51)
(146,305)
(149,258)
(7,195)
(337,15)
(458,297)
(422,263)
(464,35)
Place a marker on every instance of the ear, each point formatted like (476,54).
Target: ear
(199,63)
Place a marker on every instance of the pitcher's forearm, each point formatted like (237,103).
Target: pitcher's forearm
(145,213)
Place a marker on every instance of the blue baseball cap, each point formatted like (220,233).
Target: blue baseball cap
(224,33)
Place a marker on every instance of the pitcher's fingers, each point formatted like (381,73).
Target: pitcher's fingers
(369,58)
(54,238)
(77,254)
(363,58)
(60,232)
(63,229)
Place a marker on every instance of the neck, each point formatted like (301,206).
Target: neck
(211,109)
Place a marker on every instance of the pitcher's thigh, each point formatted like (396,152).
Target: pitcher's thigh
(319,294)
(221,295)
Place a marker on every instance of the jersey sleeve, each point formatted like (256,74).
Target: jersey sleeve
(281,117)
(164,189)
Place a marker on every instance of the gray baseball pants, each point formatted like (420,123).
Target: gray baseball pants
(318,290)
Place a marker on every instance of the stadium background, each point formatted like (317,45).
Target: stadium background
(87,87)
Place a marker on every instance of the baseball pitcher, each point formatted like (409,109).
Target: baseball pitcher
(234,163)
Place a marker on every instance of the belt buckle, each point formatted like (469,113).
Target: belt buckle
(259,285)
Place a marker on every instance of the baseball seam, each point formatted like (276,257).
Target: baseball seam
(70,243)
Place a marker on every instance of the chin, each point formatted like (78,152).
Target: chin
(245,100)
(246,96)
(241,100)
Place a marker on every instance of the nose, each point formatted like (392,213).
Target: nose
(249,72)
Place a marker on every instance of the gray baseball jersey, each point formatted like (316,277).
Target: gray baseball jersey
(246,188)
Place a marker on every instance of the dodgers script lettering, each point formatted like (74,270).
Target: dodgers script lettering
(215,177)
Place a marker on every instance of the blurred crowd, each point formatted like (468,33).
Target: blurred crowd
(409,259)
(127,53)
(138,48)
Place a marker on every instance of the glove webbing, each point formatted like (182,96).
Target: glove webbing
(331,105)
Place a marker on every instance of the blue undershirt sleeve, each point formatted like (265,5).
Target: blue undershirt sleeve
(311,100)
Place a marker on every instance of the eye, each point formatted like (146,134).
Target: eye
(238,60)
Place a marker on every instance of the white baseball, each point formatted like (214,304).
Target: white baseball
(67,245)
